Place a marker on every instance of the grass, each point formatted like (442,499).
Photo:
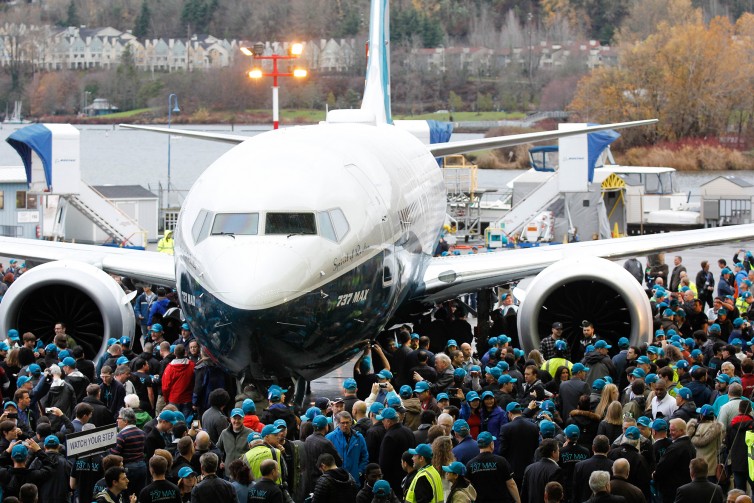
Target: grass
(465,116)
(128,114)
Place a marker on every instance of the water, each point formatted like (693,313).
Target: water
(112,155)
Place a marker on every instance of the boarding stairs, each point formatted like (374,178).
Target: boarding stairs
(104,214)
(537,201)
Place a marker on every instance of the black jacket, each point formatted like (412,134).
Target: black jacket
(56,489)
(335,486)
(672,470)
(153,441)
(314,445)
(583,470)
(213,490)
(518,441)
(398,439)
(639,475)
(699,490)
(735,442)
(536,478)
(621,487)
(569,393)
(11,479)
(606,498)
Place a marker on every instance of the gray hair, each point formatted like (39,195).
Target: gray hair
(132,401)
(55,370)
(735,390)
(633,443)
(598,481)
(128,415)
(209,462)
(443,358)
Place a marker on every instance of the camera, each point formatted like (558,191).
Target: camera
(383,385)
(453,391)
(48,410)
(195,424)
(12,415)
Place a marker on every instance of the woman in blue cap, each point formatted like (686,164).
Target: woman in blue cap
(461,490)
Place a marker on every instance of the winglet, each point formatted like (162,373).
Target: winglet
(377,87)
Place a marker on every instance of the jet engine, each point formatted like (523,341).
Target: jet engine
(585,288)
(87,300)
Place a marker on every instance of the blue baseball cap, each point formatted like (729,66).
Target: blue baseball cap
(319,422)
(632,433)
(167,415)
(270,429)
(546,405)
(623,343)
(423,450)
(651,378)
(451,342)
(689,342)
(513,407)
(644,360)
(51,441)
(492,341)
(4,346)
(723,378)
(252,437)
(644,421)
(64,354)
(125,340)
(725,271)
(602,345)
(561,345)
(421,387)
(475,368)
(494,372)
(487,394)
(578,367)
(13,334)
(684,393)
(185,326)
(121,360)
(381,488)
(35,369)
(547,427)
(248,406)
(68,362)
(461,426)
(415,336)
(237,412)
(376,408)
(505,379)
(455,467)
(598,384)
(503,365)
(406,391)
(714,328)
(385,374)
(156,328)
(681,364)
(313,412)
(471,396)
(280,423)
(22,380)
(485,438)
(10,403)
(659,425)
(706,410)
(696,353)
(637,372)
(659,333)
(350,383)
(187,471)
(388,413)
(19,452)
(572,431)
(459,372)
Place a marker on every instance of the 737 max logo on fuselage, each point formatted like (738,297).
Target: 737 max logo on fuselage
(352,298)
(188,298)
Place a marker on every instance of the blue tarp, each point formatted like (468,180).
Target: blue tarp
(35,138)
(596,143)
(439,132)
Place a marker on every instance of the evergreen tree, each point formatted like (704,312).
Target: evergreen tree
(72,18)
(143,21)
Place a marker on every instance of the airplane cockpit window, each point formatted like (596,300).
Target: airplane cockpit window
(235,224)
(200,229)
(325,226)
(290,223)
(339,222)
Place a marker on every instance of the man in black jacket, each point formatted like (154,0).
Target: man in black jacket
(629,450)
(266,489)
(314,446)
(670,472)
(518,441)
(398,439)
(599,483)
(335,484)
(700,489)
(212,489)
(56,488)
(17,474)
(583,469)
(545,470)
(571,390)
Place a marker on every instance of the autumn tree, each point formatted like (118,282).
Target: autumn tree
(644,17)
(689,76)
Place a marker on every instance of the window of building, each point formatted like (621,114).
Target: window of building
(25,201)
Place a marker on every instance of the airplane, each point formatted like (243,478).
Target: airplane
(300,244)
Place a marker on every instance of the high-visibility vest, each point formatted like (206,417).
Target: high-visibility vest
(750,447)
(552,365)
(435,481)
(255,456)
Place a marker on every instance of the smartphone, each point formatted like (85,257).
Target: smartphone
(383,385)
(12,415)
(453,391)
(48,410)
(195,424)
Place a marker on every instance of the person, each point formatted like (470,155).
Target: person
(165,244)
(178,381)
(671,472)
(269,448)
(570,454)
(705,283)
(350,445)
(707,436)
(571,390)
(582,470)
(372,474)
(487,470)
(314,445)
(130,445)
(735,442)
(518,441)
(426,486)
(112,391)
(212,489)
(599,483)
(466,447)
(187,480)
(214,421)
(159,436)
(620,486)
(56,488)
(383,493)
(700,488)
(14,476)
(28,494)
(538,474)
(117,484)
(397,440)
(160,490)
(461,490)
(553,492)
(141,310)
(335,484)
(265,489)
(232,440)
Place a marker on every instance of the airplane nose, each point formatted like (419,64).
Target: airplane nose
(260,276)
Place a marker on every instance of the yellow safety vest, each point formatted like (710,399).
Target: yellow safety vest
(552,365)
(750,447)
(255,456)
(435,481)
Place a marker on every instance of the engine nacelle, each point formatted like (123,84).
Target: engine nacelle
(90,303)
(585,288)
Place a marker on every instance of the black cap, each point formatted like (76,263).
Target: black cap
(557,324)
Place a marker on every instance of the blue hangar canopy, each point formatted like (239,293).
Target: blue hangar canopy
(35,138)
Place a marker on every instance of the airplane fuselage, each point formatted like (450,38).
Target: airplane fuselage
(299,244)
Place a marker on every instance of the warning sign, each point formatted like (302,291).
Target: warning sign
(91,441)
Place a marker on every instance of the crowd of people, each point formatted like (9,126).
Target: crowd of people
(430,415)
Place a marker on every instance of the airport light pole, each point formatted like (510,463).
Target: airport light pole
(172,107)
(257,52)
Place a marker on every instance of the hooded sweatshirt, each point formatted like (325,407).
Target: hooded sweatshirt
(178,381)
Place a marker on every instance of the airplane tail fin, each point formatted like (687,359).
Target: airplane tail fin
(377,87)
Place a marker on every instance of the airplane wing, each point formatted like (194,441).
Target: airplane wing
(200,135)
(451,276)
(152,267)
(460,147)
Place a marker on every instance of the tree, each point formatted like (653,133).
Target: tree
(141,26)
(455,102)
(644,17)
(72,18)
(197,14)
